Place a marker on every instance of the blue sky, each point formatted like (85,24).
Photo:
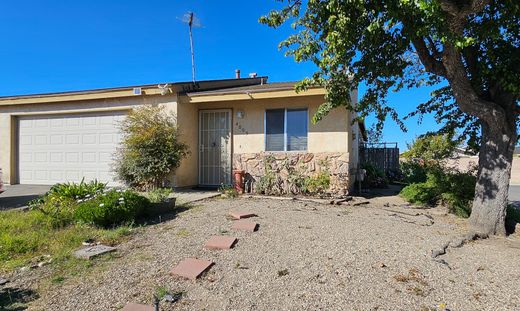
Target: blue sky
(50,46)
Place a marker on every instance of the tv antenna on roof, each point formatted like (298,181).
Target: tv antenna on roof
(192,21)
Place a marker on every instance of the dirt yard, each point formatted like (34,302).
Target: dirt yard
(305,256)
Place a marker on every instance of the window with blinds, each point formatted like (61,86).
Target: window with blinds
(286,129)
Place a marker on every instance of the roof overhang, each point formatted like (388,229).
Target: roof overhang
(251,95)
(128,91)
(77,96)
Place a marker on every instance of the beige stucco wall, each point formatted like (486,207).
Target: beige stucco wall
(333,134)
(188,123)
(8,121)
(465,163)
(329,135)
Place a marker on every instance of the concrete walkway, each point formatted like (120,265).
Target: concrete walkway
(16,196)
(187,196)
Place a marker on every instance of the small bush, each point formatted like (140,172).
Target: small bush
(228,191)
(269,183)
(375,178)
(59,210)
(413,171)
(513,213)
(159,195)
(61,200)
(151,148)
(431,181)
(431,147)
(420,193)
(112,208)
(457,205)
(76,191)
(450,187)
(316,184)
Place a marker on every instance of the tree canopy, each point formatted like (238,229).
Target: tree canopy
(391,45)
(470,48)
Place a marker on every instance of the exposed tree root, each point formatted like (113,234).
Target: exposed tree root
(458,242)
(443,262)
(407,217)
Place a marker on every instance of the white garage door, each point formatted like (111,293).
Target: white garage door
(67,148)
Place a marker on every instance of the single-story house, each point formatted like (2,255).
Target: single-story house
(228,124)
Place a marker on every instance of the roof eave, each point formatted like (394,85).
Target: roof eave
(253,94)
(127,91)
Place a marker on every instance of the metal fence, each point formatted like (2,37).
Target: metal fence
(384,156)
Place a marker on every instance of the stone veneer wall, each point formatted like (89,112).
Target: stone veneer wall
(310,164)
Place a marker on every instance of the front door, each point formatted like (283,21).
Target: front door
(214,147)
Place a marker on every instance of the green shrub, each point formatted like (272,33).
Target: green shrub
(420,193)
(159,195)
(61,200)
(456,204)
(112,208)
(513,213)
(151,148)
(431,181)
(59,210)
(228,191)
(413,171)
(375,178)
(269,183)
(431,147)
(318,184)
(76,191)
(450,187)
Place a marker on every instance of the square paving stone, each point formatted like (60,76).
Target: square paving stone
(93,251)
(242,215)
(245,225)
(191,268)
(220,242)
(137,307)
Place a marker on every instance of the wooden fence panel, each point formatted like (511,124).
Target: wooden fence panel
(384,156)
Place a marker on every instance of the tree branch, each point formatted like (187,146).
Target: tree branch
(435,51)
(470,56)
(461,11)
(469,101)
(430,63)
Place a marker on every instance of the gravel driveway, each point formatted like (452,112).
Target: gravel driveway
(306,256)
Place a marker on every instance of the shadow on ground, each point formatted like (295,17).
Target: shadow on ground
(16,196)
(155,219)
(14,299)
(13,202)
(392,190)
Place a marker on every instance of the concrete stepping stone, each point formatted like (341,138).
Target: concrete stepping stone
(245,225)
(242,215)
(220,242)
(93,251)
(191,268)
(137,307)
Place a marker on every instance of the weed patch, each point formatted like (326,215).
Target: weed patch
(25,236)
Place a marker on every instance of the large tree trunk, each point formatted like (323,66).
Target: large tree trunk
(491,192)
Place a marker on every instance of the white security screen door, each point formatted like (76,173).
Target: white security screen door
(214,147)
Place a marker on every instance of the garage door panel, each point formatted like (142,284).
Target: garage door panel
(40,157)
(68,148)
(39,140)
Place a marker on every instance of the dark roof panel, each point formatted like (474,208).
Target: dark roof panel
(265,87)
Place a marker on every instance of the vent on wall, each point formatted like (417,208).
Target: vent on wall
(137,91)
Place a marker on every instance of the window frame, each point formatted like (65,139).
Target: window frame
(285,129)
